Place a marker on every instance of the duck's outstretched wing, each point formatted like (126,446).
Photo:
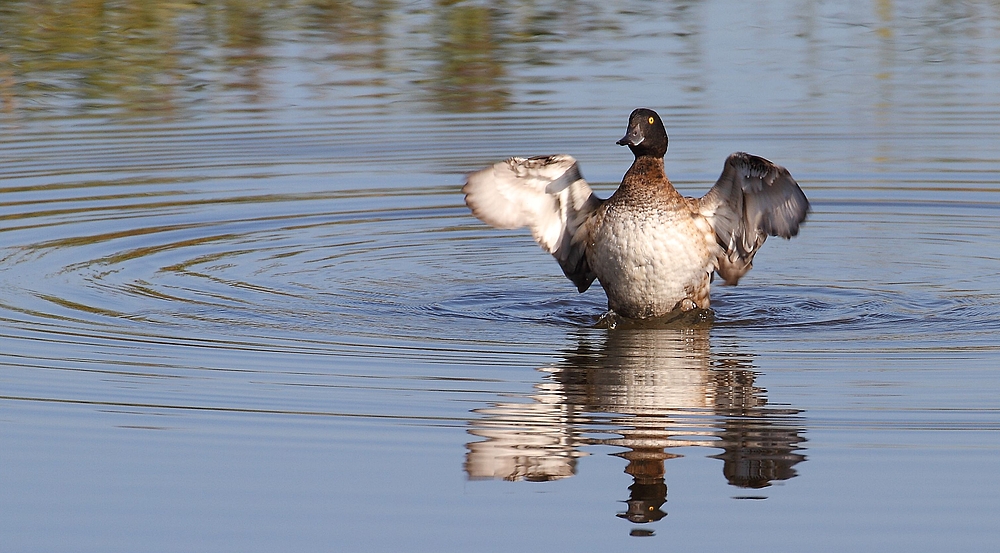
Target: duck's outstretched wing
(546,194)
(753,199)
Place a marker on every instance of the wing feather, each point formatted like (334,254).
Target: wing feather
(752,199)
(548,195)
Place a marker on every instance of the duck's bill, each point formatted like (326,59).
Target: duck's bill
(632,138)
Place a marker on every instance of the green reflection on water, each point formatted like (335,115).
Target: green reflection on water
(173,58)
(470,69)
(82,56)
(95,53)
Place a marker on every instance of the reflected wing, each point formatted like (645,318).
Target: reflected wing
(753,199)
(546,194)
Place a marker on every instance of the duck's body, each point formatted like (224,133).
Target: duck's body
(652,249)
(647,250)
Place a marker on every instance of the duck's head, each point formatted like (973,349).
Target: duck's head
(645,135)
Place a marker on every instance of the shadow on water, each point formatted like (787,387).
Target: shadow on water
(649,392)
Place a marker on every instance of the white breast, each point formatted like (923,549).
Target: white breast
(648,260)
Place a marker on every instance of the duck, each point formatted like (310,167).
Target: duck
(654,251)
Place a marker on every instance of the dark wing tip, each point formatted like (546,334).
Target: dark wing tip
(789,207)
(772,193)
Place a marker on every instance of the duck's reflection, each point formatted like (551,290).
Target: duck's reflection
(648,391)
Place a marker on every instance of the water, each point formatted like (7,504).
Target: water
(244,307)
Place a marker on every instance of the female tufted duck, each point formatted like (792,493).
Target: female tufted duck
(652,249)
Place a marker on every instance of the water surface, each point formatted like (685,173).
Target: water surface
(245,308)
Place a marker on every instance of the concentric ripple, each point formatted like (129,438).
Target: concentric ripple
(231,265)
(366,268)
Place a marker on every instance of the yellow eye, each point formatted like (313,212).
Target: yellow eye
(651,120)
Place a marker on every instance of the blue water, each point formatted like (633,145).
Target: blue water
(245,308)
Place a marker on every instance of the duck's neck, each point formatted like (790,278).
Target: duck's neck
(645,171)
